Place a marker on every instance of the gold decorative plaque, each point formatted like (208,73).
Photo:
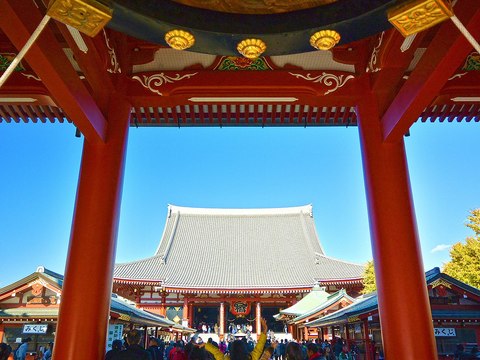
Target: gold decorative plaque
(251,48)
(419,15)
(440,282)
(179,39)
(325,39)
(87,16)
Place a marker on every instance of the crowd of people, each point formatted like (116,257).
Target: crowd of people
(20,353)
(265,348)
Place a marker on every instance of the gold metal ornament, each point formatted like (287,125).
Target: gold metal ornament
(325,39)
(87,16)
(251,48)
(179,39)
(419,15)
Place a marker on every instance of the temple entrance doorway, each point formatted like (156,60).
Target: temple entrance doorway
(240,325)
(267,313)
(205,318)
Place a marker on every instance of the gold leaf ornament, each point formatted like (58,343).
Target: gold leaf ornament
(419,15)
(251,48)
(179,39)
(325,39)
(87,16)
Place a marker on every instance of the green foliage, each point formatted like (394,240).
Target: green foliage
(369,278)
(465,257)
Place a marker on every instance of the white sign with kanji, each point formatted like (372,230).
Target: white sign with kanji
(444,332)
(35,328)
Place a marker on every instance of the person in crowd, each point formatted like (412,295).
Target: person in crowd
(269,351)
(312,352)
(134,350)
(117,346)
(344,354)
(238,350)
(6,352)
(338,346)
(283,348)
(197,351)
(169,348)
(153,349)
(161,347)
(178,352)
(276,352)
(222,346)
(47,355)
(475,353)
(22,350)
(293,351)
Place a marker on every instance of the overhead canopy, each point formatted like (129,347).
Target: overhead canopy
(431,77)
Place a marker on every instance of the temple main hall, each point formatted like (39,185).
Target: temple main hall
(224,269)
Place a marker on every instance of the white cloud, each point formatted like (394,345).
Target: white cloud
(441,247)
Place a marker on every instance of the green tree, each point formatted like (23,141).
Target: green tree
(369,282)
(465,257)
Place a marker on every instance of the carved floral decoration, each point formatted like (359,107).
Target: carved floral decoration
(5,61)
(233,63)
(331,81)
(372,64)
(154,82)
(114,64)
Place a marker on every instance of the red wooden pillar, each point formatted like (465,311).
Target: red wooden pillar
(185,310)
(163,305)
(368,353)
(85,305)
(222,319)
(258,316)
(2,332)
(347,335)
(190,314)
(404,308)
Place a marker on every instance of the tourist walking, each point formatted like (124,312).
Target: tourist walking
(134,350)
(6,352)
(238,349)
(294,351)
(21,352)
(153,349)
(177,353)
(117,346)
(47,355)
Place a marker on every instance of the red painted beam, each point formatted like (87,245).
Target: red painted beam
(18,21)
(445,54)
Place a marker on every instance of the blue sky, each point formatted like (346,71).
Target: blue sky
(243,167)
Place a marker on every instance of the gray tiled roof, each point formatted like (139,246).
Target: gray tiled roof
(239,249)
(369,302)
(117,304)
(362,304)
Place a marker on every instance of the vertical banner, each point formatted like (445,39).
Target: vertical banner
(115,332)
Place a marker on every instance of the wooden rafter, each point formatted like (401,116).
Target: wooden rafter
(444,55)
(47,59)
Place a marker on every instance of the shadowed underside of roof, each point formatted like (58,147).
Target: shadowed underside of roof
(239,249)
